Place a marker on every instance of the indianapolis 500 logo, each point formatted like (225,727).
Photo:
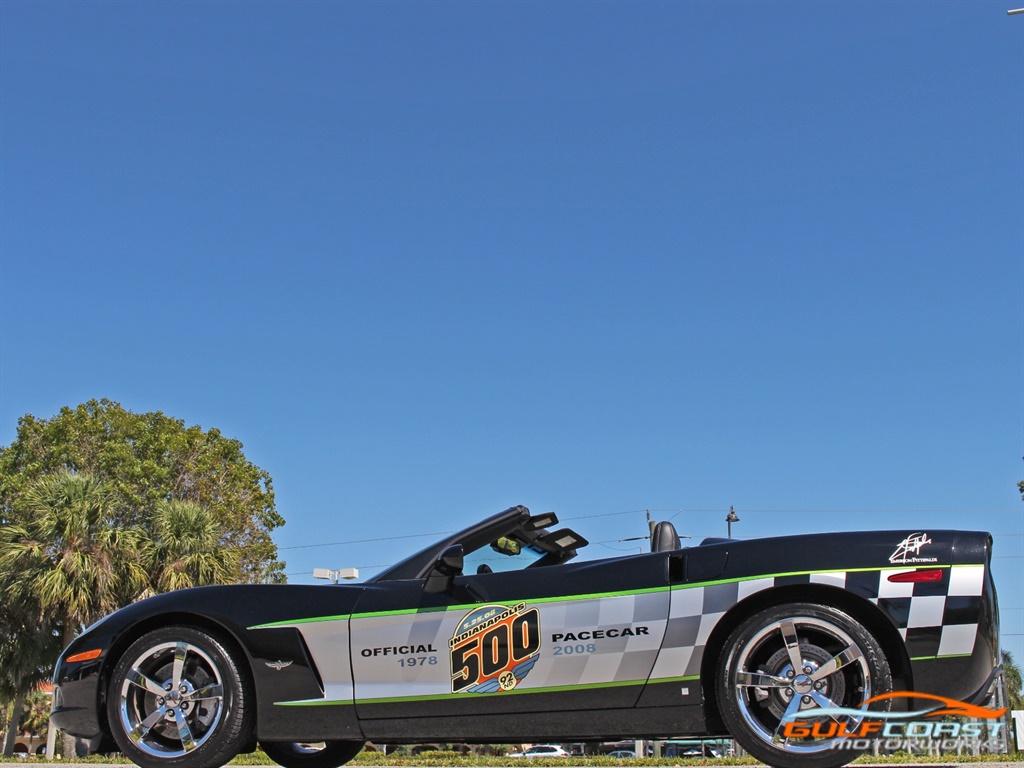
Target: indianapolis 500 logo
(494,648)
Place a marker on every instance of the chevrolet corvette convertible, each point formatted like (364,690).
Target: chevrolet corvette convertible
(494,635)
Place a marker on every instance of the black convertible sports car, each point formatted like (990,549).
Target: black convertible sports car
(493,635)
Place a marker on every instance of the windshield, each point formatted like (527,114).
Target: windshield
(508,541)
(501,556)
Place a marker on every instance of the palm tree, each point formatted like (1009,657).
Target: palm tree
(1012,680)
(68,556)
(64,554)
(27,653)
(64,558)
(36,718)
(187,549)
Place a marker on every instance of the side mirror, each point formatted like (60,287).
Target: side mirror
(442,575)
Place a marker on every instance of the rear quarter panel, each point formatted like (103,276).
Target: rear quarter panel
(939,636)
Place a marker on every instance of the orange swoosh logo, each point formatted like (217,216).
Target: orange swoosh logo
(944,705)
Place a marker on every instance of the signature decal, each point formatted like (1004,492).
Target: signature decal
(909,549)
(494,648)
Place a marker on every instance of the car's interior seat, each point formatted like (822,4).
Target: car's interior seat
(664,538)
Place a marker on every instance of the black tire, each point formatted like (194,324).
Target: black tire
(294,755)
(179,699)
(757,686)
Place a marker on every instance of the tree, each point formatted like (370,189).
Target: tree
(67,559)
(186,548)
(30,713)
(146,459)
(1012,678)
(28,651)
(69,556)
(68,562)
(35,716)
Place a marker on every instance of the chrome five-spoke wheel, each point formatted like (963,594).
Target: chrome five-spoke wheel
(177,698)
(793,663)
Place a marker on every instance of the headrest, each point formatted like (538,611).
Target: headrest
(664,538)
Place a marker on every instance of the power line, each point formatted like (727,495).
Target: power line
(366,541)
(677,511)
(815,509)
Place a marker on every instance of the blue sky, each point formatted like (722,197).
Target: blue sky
(430,260)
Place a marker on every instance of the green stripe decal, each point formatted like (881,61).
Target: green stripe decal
(513,692)
(449,696)
(687,679)
(602,595)
(940,658)
(532,601)
(292,622)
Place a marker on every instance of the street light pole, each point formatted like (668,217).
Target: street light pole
(345,573)
(730,519)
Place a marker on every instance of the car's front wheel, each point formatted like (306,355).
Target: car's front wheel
(787,664)
(327,754)
(179,699)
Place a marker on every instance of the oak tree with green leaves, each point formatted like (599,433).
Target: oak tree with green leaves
(100,506)
(148,459)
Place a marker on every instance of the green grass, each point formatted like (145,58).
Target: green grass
(456,760)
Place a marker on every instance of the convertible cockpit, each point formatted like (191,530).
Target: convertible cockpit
(510,540)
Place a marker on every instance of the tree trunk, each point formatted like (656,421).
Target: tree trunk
(12,725)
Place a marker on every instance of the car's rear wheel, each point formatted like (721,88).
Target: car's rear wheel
(179,699)
(784,664)
(326,754)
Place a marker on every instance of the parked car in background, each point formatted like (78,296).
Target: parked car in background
(622,754)
(700,752)
(541,750)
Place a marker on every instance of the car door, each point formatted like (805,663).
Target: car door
(573,636)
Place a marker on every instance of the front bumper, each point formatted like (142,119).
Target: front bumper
(76,699)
